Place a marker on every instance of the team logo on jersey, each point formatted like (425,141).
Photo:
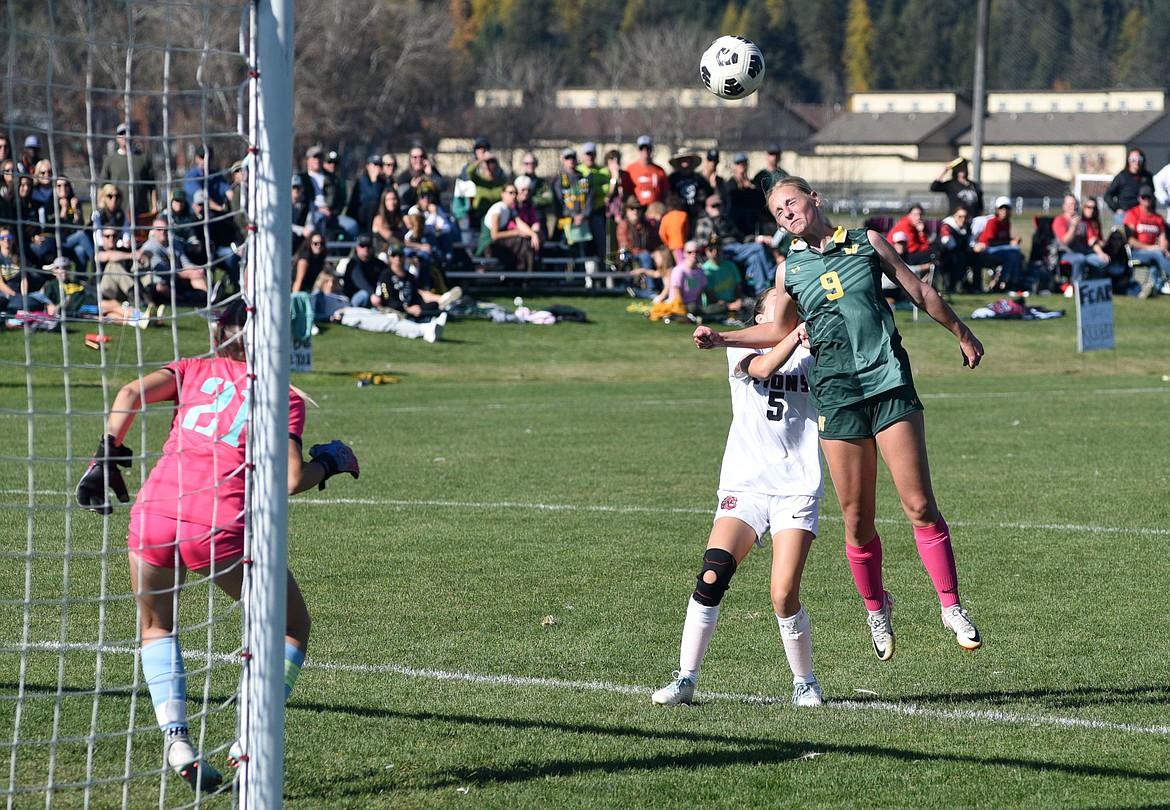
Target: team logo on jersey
(793,270)
(851,249)
(728,503)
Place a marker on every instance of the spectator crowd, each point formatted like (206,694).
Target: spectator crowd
(690,240)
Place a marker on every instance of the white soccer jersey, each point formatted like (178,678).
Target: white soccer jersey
(772,446)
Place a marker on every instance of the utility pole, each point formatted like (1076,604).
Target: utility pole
(979,102)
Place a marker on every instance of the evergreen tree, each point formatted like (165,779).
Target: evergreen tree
(1009,48)
(1133,56)
(1047,26)
(772,28)
(734,21)
(822,38)
(1090,52)
(885,59)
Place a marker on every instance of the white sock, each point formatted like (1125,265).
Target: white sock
(696,635)
(794,631)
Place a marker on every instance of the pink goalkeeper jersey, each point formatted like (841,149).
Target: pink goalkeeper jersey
(200,477)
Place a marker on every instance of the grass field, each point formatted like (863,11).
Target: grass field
(519,472)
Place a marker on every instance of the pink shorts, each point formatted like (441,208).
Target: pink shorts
(155,539)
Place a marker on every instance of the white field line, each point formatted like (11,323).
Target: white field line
(544,406)
(1143,531)
(671,510)
(881,706)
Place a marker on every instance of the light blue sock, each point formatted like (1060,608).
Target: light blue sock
(162,666)
(294,659)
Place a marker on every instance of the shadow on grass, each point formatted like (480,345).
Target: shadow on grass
(1045,698)
(713,751)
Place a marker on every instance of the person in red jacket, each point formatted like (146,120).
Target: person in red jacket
(1000,248)
(918,249)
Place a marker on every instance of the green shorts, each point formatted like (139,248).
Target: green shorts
(865,419)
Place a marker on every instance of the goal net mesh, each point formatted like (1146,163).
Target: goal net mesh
(77,724)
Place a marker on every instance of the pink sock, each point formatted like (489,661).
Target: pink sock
(934,547)
(866,564)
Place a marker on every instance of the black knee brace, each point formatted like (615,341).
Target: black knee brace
(723,564)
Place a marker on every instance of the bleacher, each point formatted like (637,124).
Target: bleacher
(883,222)
(559,270)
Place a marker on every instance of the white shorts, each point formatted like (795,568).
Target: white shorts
(773,513)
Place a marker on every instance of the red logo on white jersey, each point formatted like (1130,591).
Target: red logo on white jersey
(728,503)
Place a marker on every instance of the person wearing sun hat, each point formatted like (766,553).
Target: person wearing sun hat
(687,183)
(637,244)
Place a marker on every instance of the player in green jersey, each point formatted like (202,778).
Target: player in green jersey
(864,392)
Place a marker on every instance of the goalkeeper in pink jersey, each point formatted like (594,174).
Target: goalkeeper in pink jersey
(189,515)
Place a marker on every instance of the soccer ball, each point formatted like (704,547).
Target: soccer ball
(732,67)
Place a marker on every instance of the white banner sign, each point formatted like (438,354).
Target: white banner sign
(1094,315)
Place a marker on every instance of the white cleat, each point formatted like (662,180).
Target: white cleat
(955,619)
(236,755)
(680,690)
(882,630)
(807,694)
(202,778)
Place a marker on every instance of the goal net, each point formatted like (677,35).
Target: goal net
(136,172)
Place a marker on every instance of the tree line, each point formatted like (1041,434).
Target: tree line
(384,71)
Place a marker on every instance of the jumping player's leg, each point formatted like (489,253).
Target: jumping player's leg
(903,448)
(730,541)
(853,468)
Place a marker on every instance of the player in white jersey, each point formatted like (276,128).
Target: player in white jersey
(770,481)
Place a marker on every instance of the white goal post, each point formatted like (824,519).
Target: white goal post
(119,98)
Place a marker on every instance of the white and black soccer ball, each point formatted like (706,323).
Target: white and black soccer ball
(732,67)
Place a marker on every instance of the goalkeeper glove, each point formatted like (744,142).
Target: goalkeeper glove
(336,457)
(91,490)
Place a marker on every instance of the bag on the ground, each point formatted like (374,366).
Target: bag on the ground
(566,313)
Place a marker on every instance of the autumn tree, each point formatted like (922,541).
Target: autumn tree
(858,47)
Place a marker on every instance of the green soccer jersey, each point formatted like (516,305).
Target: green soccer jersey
(857,351)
